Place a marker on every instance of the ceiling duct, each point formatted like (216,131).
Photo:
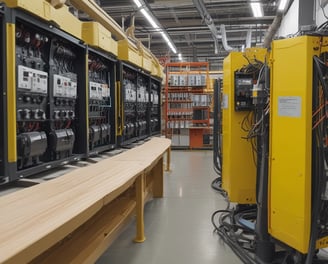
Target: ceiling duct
(224,39)
(200,5)
(249,39)
(272,30)
(275,25)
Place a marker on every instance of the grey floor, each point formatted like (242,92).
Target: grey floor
(178,227)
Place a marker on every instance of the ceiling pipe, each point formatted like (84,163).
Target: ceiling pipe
(200,5)
(275,26)
(224,39)
(272,30)
(249,39)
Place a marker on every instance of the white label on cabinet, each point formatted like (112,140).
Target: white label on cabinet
(289,106)
(224,103)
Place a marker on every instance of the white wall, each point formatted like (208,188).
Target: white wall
(289,24)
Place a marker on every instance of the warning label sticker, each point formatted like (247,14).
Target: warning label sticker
(289,106)
(224,103)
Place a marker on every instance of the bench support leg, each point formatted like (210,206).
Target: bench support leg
(158,175)
(168,159)
(140,232)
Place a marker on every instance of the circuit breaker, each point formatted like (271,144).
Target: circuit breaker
(101,110)
(155,107)
(243,91)
(142,104)
(129,89)
(49,110)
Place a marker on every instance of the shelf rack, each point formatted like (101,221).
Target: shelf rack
(187,104)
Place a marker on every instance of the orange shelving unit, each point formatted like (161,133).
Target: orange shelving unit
(187,104)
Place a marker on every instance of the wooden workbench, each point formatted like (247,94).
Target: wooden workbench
(74,218)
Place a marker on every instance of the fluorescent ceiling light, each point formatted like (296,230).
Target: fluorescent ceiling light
(282,5)
(257,9)
(137,2)
(165,37)
(180,56)
(149,18)
(172,47)
(158,27)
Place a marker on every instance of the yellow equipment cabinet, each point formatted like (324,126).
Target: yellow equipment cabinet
(291,149)
(238,167)
(94,34)
(157,70)
(146,58)
(62,17)
(128,51)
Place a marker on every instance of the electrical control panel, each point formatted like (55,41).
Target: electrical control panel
(62,105)
(65,86)
(64,94)
(129,89)
(243,91)
(32,80)
(47,109)
(130,92)
(155,108)
(32,49)
(101,111)
(142,103)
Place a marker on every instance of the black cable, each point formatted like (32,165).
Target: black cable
(319,63)
(217,186)
(240,238)
(217,157)
(318,171)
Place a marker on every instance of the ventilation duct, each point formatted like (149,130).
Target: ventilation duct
(249,39)
(224,39)
(272,30)
(199,4)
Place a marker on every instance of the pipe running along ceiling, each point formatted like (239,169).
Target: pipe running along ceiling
(195,26)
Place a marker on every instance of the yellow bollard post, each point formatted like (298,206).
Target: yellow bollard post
(140,232)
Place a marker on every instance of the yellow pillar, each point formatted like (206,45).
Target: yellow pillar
(11,92)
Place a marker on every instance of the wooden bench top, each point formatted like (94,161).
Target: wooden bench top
(33,219)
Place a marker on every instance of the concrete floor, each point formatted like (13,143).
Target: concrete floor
(178,227)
